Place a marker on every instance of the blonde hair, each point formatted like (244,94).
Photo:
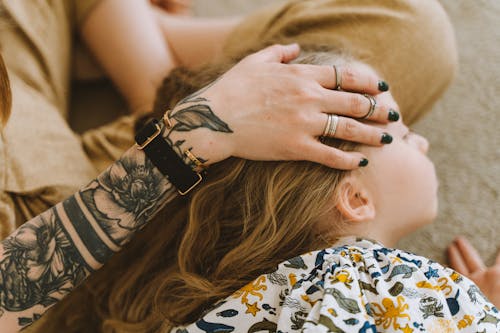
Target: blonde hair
(246,218)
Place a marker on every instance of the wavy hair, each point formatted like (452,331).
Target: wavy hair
(246,218)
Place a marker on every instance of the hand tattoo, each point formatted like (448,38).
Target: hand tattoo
(197,114)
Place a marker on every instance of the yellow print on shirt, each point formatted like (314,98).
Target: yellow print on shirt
(466,321)
(343,277)
(388,313)
(443,285)
(252,289)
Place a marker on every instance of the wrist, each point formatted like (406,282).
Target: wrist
(196,128)
(203,144)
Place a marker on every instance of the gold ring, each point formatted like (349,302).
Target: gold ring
(373,105)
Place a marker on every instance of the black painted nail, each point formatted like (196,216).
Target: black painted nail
(383,86)
(393,115)
(386,138)
(363,162)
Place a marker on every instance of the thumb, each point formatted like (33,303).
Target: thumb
(277,53)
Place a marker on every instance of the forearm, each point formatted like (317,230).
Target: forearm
(127,42)
(195,41)
(50,255)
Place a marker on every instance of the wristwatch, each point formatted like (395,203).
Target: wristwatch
(151,141)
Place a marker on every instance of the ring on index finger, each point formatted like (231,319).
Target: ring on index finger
(373,105)
(338,78)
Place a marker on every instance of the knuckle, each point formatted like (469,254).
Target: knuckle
(372,81)
(334,159)
(349,76)
(308,95)
(356,105)
(342,161)
(296,70)
(295,150)
(350,129)
(382,109)
(299,118)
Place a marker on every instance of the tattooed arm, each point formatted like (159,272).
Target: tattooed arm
(54,252)
(51,254)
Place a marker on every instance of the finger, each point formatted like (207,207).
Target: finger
(334,158)
(358,106)
(276,53)
(456,260)
(470,255)
(497,260)
(387,103)
(351,130)
(360,78)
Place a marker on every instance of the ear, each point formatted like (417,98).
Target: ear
(355,202)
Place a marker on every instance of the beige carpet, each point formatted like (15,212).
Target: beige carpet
(463,130)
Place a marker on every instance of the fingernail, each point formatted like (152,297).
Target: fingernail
(393,115)
(363,162)
(383,86)
(386,138)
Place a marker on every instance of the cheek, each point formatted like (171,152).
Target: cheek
(405,184)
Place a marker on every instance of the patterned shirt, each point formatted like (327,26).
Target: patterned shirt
(356,286)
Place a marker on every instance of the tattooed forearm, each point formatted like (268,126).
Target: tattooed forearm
(50,255)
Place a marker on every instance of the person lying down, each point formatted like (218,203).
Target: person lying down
(354,281)
(289,247)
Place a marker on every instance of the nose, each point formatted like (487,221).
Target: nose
(422,143)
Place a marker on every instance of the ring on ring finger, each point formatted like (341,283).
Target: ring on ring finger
(331,126)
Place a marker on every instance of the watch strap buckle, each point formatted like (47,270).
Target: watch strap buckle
(149,139)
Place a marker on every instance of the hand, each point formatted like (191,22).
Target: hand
(465,259)
(176,7)
(277,111)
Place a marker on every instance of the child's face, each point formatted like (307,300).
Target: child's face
(402,180)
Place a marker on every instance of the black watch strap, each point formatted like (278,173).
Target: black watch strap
(150,140)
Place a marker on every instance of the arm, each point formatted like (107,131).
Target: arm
(50,255)
(129,45)
(138,45)
(195,41)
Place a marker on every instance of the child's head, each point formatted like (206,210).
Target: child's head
(395,194)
